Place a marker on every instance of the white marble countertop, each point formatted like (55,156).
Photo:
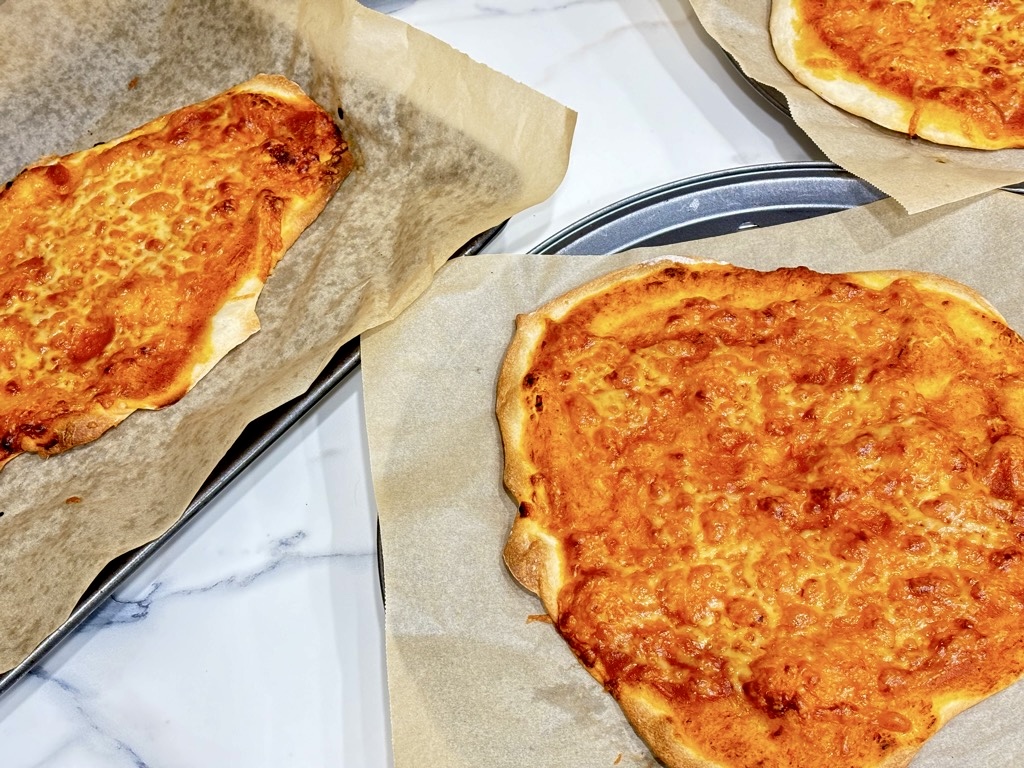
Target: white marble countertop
(256,637)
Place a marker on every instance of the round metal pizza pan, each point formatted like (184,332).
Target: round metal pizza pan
(714,204)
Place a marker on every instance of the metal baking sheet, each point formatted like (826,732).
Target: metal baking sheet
(259,435)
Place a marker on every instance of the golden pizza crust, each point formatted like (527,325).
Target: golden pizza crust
(854,97)
(944,111)
(204,200)
(535,556)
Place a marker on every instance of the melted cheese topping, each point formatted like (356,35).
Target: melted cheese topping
(788,506)
(965,58)
(115,261)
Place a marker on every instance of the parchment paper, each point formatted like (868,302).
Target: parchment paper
(473,682)
(446,148)
(917,173)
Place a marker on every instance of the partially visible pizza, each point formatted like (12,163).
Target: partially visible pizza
(949,72)
(778,515)
(128,270)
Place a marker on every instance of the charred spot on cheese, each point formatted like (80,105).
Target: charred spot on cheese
(118,263)
(787,507)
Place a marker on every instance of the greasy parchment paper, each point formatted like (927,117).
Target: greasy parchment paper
(919,174)
(446,147)
(473,682)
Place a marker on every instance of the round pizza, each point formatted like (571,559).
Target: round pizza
(778,515)
(949,72)
(129,269)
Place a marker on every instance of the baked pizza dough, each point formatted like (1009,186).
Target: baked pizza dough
(778,515)
(949,72)
(128,270)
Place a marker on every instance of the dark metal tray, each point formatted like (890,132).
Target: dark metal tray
(259,435)
(714,204)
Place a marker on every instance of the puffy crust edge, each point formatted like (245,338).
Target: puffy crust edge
(934,122)
(534,556)
(655,725)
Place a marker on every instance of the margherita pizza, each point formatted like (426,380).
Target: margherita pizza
(778,515)
(128,270)
(949,72)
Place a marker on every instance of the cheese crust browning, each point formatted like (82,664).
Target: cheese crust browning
(128,270)
(951,73)
(778,515)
